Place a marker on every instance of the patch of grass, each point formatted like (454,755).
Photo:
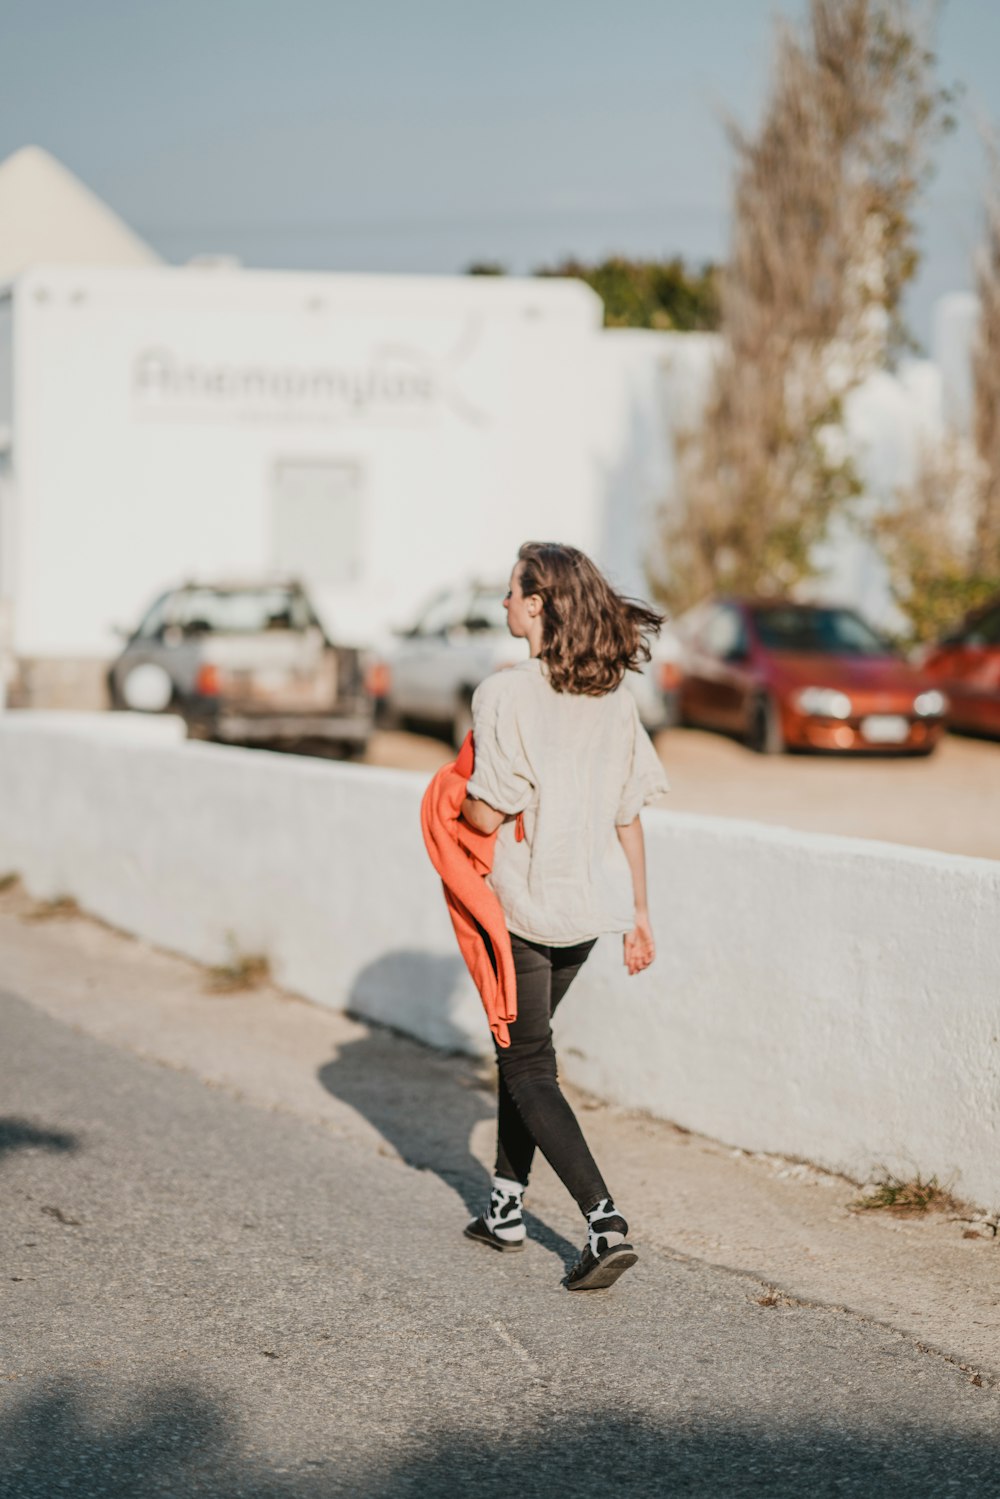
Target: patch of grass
(60,908)
(9,882)
(243,971)
(905,1198)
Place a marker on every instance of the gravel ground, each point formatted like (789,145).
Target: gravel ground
(950,801)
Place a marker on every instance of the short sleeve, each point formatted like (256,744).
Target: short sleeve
(646,779)
(501,777)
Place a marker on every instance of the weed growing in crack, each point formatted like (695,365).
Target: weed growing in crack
(771,1296)
(243,971)
(905,1199)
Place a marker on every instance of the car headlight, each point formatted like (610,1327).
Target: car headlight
(823,702)
(930,704)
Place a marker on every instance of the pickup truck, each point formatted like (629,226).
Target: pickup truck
(246,662)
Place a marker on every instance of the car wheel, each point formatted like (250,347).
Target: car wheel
(764,734)
(147,688)
(462,721)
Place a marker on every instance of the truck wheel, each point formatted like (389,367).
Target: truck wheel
(353,749)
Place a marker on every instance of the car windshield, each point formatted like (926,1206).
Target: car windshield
(480,609)
(828,632)
(244,611)
(487,610)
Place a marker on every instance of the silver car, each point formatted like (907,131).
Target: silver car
(458,638)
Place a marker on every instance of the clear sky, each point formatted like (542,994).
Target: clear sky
(419,135)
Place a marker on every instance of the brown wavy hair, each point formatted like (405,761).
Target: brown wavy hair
(591,635)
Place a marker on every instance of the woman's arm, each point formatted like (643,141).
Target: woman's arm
(479,815)
(639,947)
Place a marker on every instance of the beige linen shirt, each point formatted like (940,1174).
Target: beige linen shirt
(576,767)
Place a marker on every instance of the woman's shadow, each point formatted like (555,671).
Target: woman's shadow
(423,1102)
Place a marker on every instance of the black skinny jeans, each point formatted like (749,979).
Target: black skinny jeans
(532,1109)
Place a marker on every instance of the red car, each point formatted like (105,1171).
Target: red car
(966,665)
(803,676)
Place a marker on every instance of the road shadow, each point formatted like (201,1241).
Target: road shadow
(17,1133)
(78,1438)
(617,1452)
(119,1443)
(423,1103)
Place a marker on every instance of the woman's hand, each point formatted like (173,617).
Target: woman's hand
(640,949)
(638,944)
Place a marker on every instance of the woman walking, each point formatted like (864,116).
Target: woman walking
(562,770)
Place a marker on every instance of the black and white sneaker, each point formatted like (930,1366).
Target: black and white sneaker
(607,1254)
(502,1224)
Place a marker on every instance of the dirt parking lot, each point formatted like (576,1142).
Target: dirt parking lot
(950,801)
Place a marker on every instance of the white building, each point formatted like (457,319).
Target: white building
(376,436)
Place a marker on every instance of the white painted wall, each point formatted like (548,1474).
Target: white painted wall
(956,318)
(645,387)
(6,369)
(816,996)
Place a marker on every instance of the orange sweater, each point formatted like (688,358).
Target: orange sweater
(463,858)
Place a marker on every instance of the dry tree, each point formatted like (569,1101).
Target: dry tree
(986,385)
(823,243)
(941,538)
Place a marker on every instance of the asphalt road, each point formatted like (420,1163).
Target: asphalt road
(204,1297)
